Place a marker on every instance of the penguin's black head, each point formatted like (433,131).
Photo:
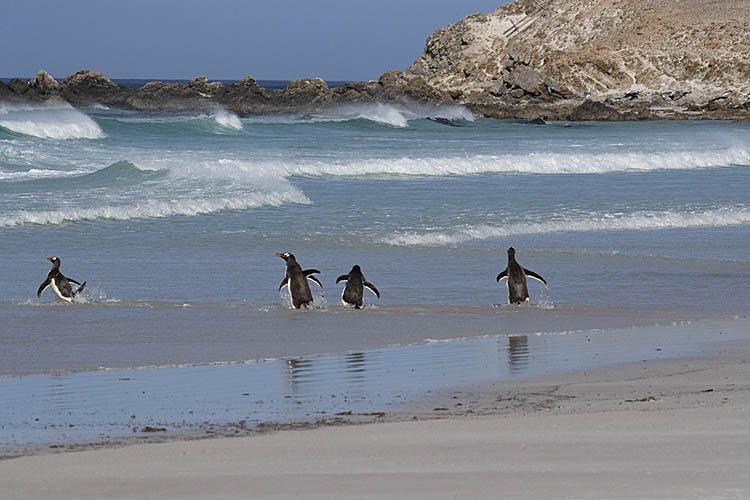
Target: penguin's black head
(511,252)
(55,262)
(285,256)
(356,269)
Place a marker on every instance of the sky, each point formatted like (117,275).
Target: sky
(222,39)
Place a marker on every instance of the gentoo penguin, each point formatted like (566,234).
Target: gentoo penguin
(296,279)
(516,275)
(59,283)
(354,289)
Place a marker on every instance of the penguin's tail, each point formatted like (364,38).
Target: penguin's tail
(80,289)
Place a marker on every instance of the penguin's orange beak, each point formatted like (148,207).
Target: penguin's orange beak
(49,259)
(280,255)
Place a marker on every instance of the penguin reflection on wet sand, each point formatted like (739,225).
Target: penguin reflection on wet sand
(516,276)
(296,279)
(59,283)
(354,290)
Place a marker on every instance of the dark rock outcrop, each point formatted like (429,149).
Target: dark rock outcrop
(560,59)
(594,110)
(43,84)
(88,87)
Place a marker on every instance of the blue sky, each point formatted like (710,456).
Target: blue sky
(222,39)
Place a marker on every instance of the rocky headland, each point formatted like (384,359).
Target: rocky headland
(554,59)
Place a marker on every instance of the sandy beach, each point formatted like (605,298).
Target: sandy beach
(663,429)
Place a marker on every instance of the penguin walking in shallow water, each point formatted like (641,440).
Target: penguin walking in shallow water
(354,289)
(296,279)
(59,283)
(516,276)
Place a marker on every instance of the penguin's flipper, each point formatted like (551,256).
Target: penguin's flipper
(532,274)
(372,288)
(43,286)
(307,272)
(343,277)
(502,275)
(284,282)
(80,288)
(313,278)
(74,281)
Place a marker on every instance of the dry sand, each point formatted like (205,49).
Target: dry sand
(662,429)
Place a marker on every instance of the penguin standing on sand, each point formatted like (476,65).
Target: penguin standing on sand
(59,283)
(354,290)
(516,276)
(296,279)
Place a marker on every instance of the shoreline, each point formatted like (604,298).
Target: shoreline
(418,325)
(668,428)
(124,407)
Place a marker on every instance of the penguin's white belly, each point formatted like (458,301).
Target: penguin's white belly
(57,291)
(289,289)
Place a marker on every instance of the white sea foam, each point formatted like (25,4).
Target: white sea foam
(35,173)
(227,119)
(244,171)
(376,112)
(48,121)
(729,216)
(534,163)
(396,116)
(218,116)
(152,209)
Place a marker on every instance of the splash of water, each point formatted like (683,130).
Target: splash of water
(48,121)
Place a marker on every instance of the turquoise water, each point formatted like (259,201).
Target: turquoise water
(174,219)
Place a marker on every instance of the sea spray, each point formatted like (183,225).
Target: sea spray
(150,209)
(720,217)
(48,121)
(395,116)
(227,119)
(532,163)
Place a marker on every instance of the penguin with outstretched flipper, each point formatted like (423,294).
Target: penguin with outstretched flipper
(355,285)
(296,279)
(59,283)
(516,275)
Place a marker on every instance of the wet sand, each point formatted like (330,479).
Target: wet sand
(659,428)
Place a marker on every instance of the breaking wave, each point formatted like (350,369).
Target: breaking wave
(118,172)
(534,163)
(48,121)
(115,175)
(227,119)
(217,121)
(719,217)
(35,174)
(387,114)
(152,209)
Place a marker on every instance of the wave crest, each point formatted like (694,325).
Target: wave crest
(36,174)
(534,163)
(117,172)
(227,119)
(392,115)
(728,216)
(48,121)
(152,209)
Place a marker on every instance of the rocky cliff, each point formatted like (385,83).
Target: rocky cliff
(641,57)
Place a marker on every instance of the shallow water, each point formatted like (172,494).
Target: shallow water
(174,219)
(106,406)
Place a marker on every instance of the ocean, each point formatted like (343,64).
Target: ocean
(174,220)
